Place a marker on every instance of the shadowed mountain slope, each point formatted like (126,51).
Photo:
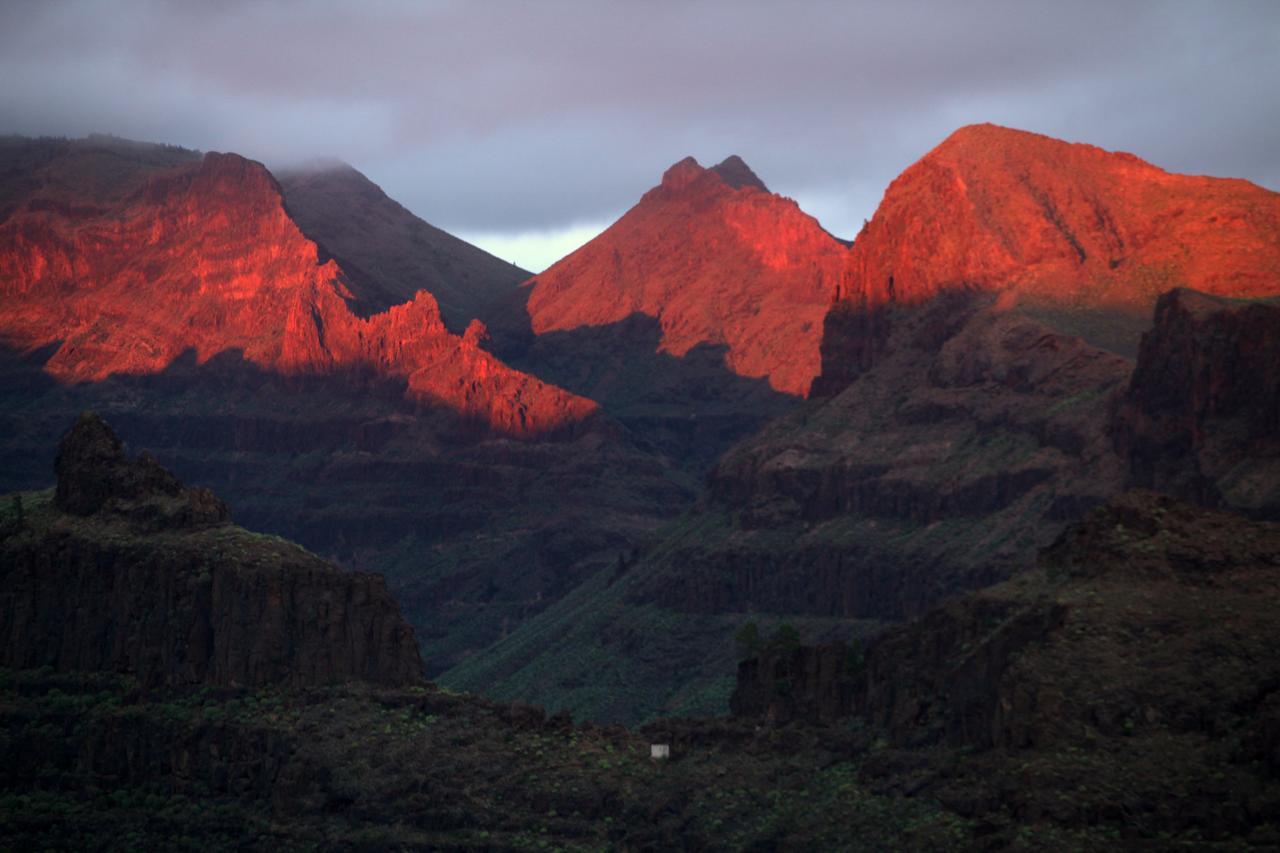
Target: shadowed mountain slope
(387,253)
(1126,680)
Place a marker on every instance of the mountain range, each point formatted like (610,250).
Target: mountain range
(910,459)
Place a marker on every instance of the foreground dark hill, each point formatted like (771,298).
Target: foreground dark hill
(387,253)
(1125,682)
(1122,694)
(122,569)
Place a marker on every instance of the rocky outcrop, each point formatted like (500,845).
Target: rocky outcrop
(1201,417)
(205,258)
(810,683)
(95,476)
(1061,224)
(125,570)
(387,253)
(718,260)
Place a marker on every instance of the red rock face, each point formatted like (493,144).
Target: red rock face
(718,259)
(205,258)
(992,208)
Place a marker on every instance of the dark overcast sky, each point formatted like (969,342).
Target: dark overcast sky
(496,120)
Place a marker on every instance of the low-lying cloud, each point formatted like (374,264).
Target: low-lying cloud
(510,119)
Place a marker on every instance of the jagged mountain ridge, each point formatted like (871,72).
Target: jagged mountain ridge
(204,257)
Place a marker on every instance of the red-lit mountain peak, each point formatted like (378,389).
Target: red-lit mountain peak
(718,260)
(206,258)
(992,207)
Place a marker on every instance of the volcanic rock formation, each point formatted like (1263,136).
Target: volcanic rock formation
(125,570)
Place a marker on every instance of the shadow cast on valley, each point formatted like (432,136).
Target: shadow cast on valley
(691,407)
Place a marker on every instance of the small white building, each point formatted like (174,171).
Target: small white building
(659,751)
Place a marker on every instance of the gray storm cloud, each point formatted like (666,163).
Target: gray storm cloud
(511,117)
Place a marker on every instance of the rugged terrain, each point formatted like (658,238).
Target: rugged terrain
(1121,693)
(1201,417)
(1124,682)
(175,294)
(545,542)
(961,422)
(944,468)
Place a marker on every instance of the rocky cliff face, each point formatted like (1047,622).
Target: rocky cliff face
(126,570)
(1121,630)
(387,253)
(965,449)
(1064,225)
(1132,664)
(205,258)
(718,260)
(1201,417)
(1115,633)
(810,683)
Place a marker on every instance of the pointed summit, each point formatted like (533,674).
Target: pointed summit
(718,260)
(682,174)
(737,174)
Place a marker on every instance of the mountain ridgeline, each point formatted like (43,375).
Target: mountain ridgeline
(988,501)
(558,463)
